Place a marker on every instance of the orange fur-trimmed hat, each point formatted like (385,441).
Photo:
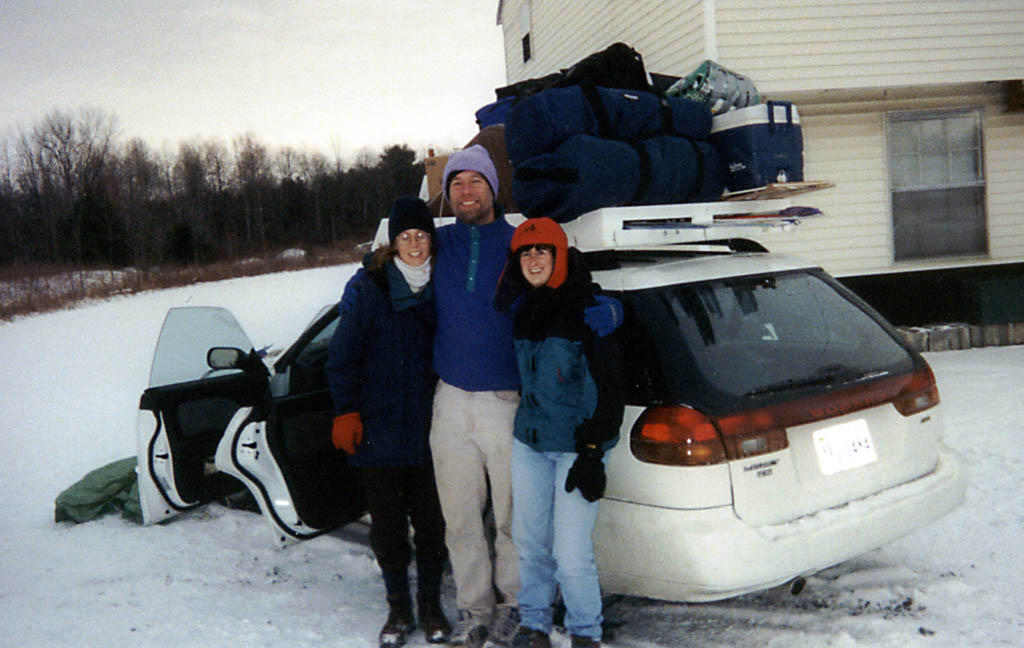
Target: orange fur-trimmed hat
(544,231)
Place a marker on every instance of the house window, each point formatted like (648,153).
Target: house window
(525,24)
(937,183)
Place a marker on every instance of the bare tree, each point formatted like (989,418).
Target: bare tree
(252,171)
(190,173)
(96,140)
(36,189)
(12,241)
(216,159)
(68,154)
(315,168)
(287,162)
(139,178)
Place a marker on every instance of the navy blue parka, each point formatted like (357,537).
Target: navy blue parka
(380,365)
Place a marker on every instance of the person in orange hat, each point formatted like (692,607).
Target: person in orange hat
(570,410)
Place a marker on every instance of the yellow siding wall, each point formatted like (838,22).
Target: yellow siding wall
(669,35)
(844,143)
(812,44)
(785,46)
(1005,171)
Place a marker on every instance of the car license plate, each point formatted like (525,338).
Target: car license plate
(844,446)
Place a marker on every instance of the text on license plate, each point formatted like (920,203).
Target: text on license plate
(844,446)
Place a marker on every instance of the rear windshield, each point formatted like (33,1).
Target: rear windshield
(738,343)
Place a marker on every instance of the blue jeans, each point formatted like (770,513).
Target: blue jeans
(552,532)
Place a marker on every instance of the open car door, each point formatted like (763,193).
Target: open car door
(282,451)
(209,428)
(185,410)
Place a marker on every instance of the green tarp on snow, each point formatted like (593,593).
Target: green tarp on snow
(109,489)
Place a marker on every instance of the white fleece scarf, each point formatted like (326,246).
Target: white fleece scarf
(416,276)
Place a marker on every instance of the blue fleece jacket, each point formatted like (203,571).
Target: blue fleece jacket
(473,347)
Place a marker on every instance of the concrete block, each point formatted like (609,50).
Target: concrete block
(965,336)
(915,336)
(940,338)
(995,334)
(977,339)
(1016,333)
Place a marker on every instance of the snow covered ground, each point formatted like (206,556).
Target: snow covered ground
(213,577)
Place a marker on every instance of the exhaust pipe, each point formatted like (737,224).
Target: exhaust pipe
(797,585)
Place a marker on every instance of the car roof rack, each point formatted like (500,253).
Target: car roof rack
(686,224)
(694,227)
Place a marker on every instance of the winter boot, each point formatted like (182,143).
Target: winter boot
(400,622)
(530,638)
(503,627)
(433,622)
(584,642)
(469,632)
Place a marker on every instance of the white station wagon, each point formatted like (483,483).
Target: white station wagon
(775,425)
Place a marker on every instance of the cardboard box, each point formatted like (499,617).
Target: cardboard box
(759,145)
(435,168)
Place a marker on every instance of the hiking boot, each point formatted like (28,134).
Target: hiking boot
(433,622)
(469,632)
(584,642)
(503,627)
(530,638)
(399,624)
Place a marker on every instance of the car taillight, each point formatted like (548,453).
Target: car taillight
(918,394)
(682,436)
(676,436)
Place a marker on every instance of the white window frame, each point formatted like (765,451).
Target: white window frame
(932,193)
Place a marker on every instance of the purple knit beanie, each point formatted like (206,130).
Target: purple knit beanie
(472,158)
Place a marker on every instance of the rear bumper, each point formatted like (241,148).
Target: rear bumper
(711,554)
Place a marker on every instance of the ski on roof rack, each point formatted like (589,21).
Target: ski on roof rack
(777,190)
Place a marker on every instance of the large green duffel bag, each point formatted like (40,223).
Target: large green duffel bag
(110,489)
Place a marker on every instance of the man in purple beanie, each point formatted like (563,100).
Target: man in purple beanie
(476,399)
(475,402)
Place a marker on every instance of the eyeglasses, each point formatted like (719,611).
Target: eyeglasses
(419,237)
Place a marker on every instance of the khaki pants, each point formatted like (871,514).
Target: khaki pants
(471,443)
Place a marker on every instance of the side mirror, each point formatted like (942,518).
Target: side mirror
(226,358)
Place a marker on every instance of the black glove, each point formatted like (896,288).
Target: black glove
(587,474)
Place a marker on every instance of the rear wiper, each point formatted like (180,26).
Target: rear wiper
(823,376)
(830,375)
(791,383)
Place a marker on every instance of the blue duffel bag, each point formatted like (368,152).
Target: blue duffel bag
(586,173)
(494,113)
(539,123)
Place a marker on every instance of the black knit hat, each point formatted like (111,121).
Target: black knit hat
(408,212)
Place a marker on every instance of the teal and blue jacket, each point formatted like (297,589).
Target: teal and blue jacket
(571,382)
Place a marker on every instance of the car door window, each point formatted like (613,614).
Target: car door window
(307,369)
(186,336)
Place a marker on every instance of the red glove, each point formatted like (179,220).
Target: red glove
(347,432)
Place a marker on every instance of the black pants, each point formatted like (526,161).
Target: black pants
(398,495)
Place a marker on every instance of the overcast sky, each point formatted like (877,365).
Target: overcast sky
(331,75)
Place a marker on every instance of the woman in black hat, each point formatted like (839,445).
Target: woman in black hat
(382,382)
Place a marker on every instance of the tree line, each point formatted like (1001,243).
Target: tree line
(72,193)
